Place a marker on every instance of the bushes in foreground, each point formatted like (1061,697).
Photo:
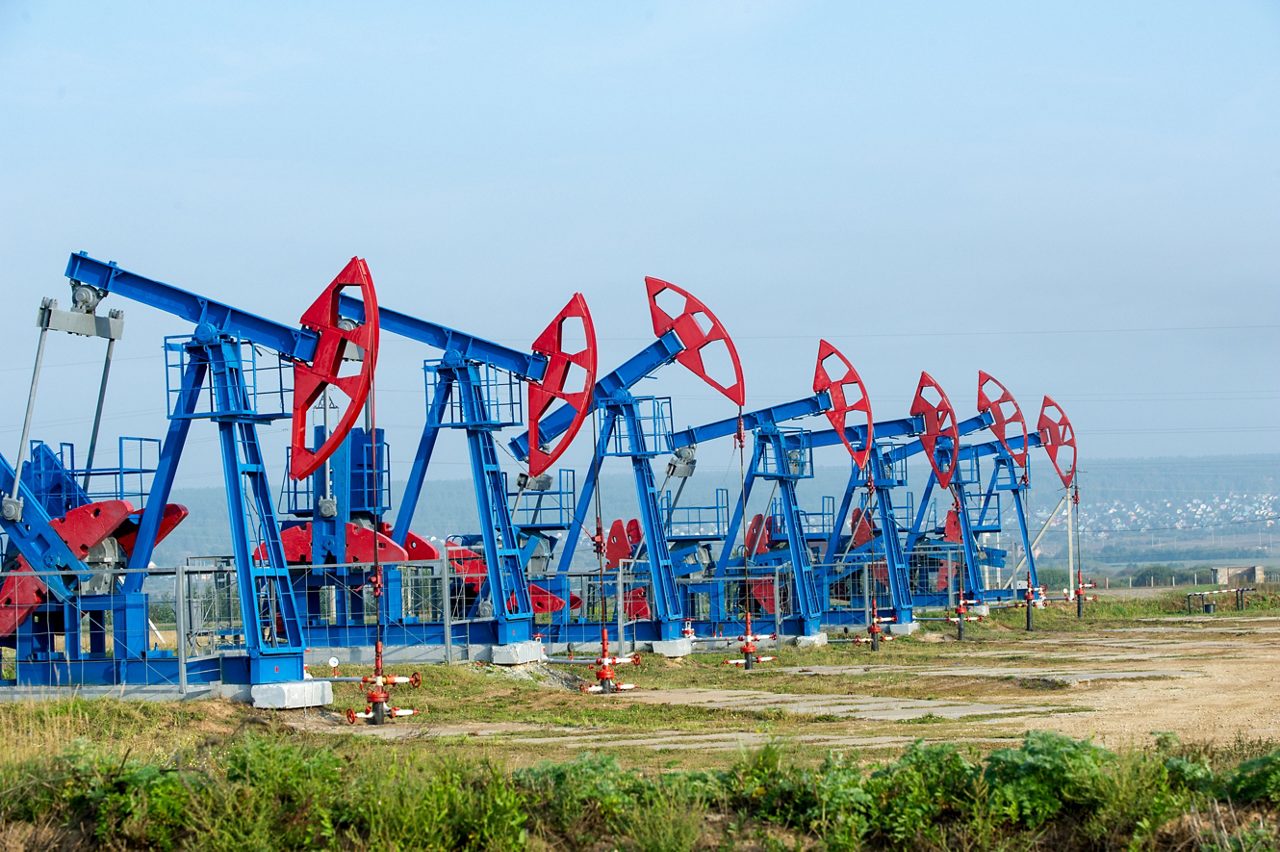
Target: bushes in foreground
(273,791)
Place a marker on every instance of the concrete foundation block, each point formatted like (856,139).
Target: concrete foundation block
(905,629)
(517,653)
(318,658)
(292,694)
(981,610)
(817,640)
(673,647)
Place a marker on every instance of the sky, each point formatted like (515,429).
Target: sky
(1080,198)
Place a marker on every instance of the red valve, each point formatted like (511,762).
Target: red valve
(848,396)
(698,328)
(1005,412)
(555,381)
(931,403)
(1056,435)
(337,341)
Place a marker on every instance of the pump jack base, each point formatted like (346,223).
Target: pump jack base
(292,694)
(274,696)
(673,647)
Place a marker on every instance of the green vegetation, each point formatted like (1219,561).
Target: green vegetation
(277,789)
(466,773)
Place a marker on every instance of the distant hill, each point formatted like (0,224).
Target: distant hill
(1217,504)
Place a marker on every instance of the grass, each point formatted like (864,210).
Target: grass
(106,772)
(275,788)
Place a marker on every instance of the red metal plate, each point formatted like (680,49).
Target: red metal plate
(20,594)
(1058,437)
(636,604)
(561,381)
(618,545)
(860,527)
(127,533)
(931,403)
(762,591)
(701,333)
(82,528)
(848,398)
(361,542)
(541,599)
(325,370)
(759,534)
(951,528)
(415,545)
(995,398)
(635,534)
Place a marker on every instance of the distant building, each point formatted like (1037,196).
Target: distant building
(1242,575)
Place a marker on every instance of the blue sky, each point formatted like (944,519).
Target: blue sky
(1080,198)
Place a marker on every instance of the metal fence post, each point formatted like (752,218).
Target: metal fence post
(180,623)
(447,600)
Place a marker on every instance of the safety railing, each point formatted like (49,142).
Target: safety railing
(501,396)
(798,463)
(267,381)
(654,419)
(696,523)
(543,502)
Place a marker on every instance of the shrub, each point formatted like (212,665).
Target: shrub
(916,796)
(1048,774)
(1256,781)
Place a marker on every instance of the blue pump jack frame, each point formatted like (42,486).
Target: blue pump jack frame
(272,641)
(456,376)
(771,461)
(618,409)
(875,484)
(963,478)
(1006,477)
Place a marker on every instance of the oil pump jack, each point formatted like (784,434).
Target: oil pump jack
(637,428)
(73,602)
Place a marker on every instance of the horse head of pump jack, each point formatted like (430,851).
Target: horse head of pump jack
(834,374)
(996,399)
(570,378)
(1058,437)
(700,332)
(932,404)
(340,341)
